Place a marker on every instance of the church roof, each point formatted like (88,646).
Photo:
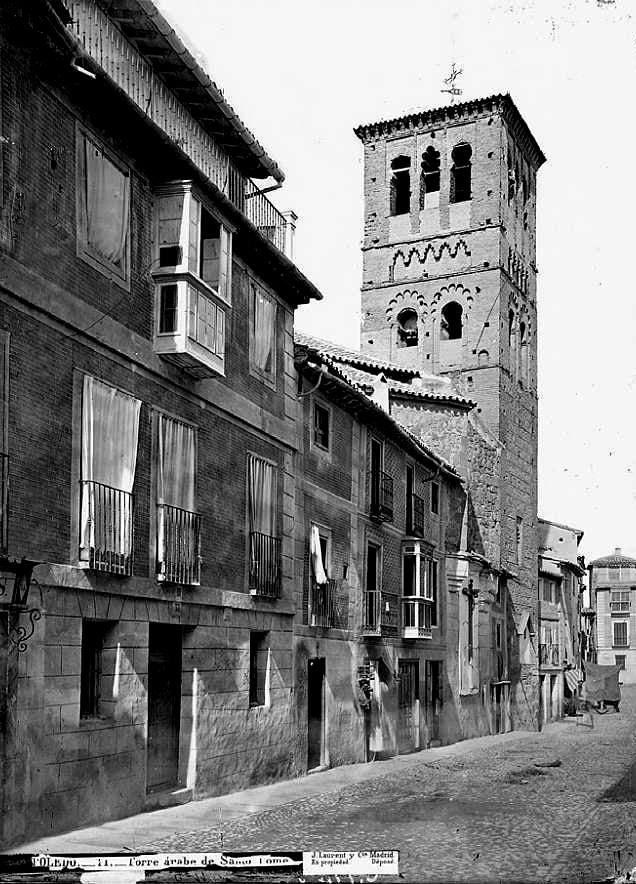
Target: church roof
(500,103)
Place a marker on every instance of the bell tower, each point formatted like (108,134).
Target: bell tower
(449,272)
(449,288)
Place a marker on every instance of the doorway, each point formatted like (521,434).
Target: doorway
(164,706)
(315,711)
(433,699)
(408,706)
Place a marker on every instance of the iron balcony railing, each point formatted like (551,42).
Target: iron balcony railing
(382,496)
(415,520)
(264,215)
(371,622)
(108,514)
(265,565)
(549,655)
(324,607)
(178,545)
(416,618)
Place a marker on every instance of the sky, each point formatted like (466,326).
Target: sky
(302,74)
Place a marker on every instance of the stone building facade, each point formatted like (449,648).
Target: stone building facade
(612,584)
(449,288)
(148,426)
(376,524)
(561,646)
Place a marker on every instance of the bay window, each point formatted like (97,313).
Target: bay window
(419,592)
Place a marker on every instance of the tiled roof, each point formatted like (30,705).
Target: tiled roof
(429,388)
(615,560)
(353,357)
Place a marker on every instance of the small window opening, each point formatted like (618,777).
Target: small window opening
(451,322)
(519,539)
(435,498)
(400,190)
(321,426)
(512,181)
(259,652)
(460,173)
(429,178)
(407,328)
(170,256)
(523,353)
(94,635)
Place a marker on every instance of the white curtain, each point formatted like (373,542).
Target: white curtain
(110,428)
(317,563)
(262,496)
(106,205)
(263,337)
(176,457)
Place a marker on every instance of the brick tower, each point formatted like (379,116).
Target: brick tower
(449,287)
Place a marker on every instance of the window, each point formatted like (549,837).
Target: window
(460,173)
(512,180)
(103,210)
(619,632)
(178,525)
(321,438)
(435,498)
(451,322)
(262,332)
(429,179)
(372,595)
(619,660)
(519,539)
(380,484)
(523,354)
(265,544)
(407,328)
(94,640)
(549,590)
(110,427)
(498,634)
(619,602)
(400,187)
(259,666)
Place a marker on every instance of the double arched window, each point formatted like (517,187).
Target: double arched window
(400,191)
(460,173)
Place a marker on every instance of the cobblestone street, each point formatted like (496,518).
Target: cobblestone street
(487,815)
(480,810)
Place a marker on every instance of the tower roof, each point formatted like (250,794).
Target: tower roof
(500,103)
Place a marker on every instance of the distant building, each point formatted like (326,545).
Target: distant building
(560,589)
(613,598)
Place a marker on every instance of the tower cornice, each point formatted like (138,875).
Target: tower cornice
(421,120)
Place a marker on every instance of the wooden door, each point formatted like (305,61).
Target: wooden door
(164,706)
(408,706)
(315,711)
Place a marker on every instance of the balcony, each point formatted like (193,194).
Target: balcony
(324,607)
(107,514)
(415,517)
(371,622)
(382,497)
(549,655)
(265,568)
(178,545)
(416,618)
(189,329)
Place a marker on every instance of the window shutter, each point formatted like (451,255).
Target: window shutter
(225,264)
(195,235)
(220,332)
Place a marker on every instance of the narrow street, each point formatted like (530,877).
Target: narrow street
(478,810)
